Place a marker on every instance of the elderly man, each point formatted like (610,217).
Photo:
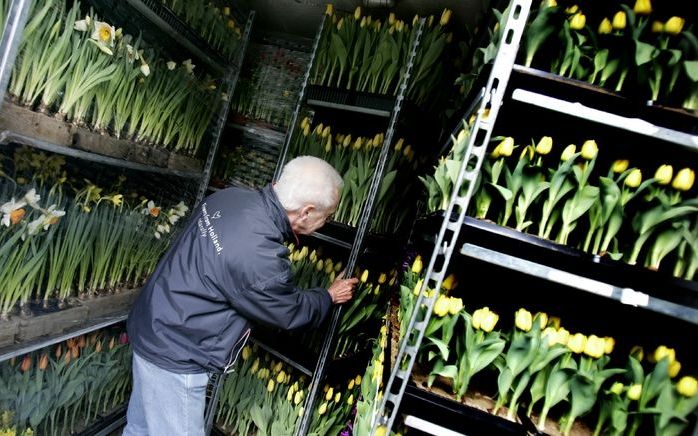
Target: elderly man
(227,268)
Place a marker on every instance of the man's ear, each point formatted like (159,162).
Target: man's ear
(306,210)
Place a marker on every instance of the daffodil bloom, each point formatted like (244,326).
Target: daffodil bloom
(189,66)
(171,65)
(544,145)
(31,198)
(51,216)
(568,152)
(82,25)
(578,21)
(634,392)
(684,179)
(605,27)
(619,20)
(674,25)
(524,319)
(634,178)
(687,386)
(117,199)
(664,174)
(620,165)
(12,212)
(34,226)
(103,33)
(577,343)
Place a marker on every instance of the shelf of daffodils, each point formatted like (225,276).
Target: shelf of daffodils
(61,237)
(88,73)
(637,51)
(361,53)
(61,389)
(543,370)
(557,192)
(355,159)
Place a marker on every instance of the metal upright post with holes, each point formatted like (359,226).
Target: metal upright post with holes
(480,133)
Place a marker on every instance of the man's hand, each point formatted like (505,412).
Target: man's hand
(341,290)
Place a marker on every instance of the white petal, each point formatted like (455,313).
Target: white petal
(80,26)
(6,220)
(145,69)
(171,65)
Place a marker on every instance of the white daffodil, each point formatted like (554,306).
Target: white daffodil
(35,226)
(181,208)
(130,53)
(12,212)
(173,217)
(145,69)
(189,66)
(31,198)
(52,216)
(104,33)
(171,65)
(80,26)
(151,209)
(157,235)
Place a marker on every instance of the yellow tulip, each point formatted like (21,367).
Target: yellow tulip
(663,351)
(357,13)
(382,278)
(657,27)
(524,319)
(270,386)
(478,315)
(489,320)
(642,7)
(619,20)
(542,319)
(329,9)
(620,165)
(417,287)
(554,321)
(674,368)
(298,397)
(617,388)
(551,335)
(674,25)
(577,343)
(594,346)
(634,178)
(350,386)
(634,392)
(578,21)
(300,411)
(528,151)
(381,430)
(550,3)
(357,380)
(687,386)
(506,147)
(441,306)
(605,27)
(337,397)
(610,344)
(246,353)
(572,10)
(455,305)
(664,174)
(281,377)
(322,409)
(445,17)
(589,149)
(330,394)
(364,276)
(544,145)
(638,353)
(684,179)
(417,265)
(568,152)
(350,400)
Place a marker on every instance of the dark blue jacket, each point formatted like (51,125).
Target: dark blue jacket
(228,267)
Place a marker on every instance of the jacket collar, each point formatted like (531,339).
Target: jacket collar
(276,212)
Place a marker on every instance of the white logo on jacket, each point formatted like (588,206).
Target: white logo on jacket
(207,230)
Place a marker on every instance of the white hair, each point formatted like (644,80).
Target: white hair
(308,180)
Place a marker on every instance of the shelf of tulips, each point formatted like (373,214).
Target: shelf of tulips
(82,87)
(62,389)
(612,373)
(73,254)
(316,264)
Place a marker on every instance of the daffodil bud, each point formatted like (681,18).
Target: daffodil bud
(605,27)
(594,346)
(568,152)
(610,344)
(544,145)
(417,265)
(577,343)
(619,20)
(657,27)
(687,386)
(441,306)
(642,7)
(489,321)
(664,174)
(634,178)
(674,25)
(684,179)
(524,319)
(617,388)
(578,21)
(634,392)
(620,165)
(589,149)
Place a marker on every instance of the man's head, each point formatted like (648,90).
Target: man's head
(309,190)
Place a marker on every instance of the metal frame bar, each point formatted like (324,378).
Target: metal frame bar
(364,222)
(231,80)
(281,356)
(623,295)
(481,131)
(11,38)
(429,427)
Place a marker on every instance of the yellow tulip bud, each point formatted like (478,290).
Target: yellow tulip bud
(674,25)
(563,336)
(542,319)
(270,386)
(549,3)
(441,306)
(455,305)
(357,13)
(610,343)
(605,27)
(449,282)
(687,386)
(338,267)
(489,320)
(382,278)
(657,27)
(634,392)
(594,346)
(246,353)
(578,21)
(506,147)
(381,430)
(544,145)
(664,174)
(528,151)
(684,179)
(663,351)
(620,165)
(347,141)
(300,411)
(364,276)
(674,368)
(477,317)
(445,17)
(642,7)
(329,9)
(551,335)
(524,319)
(638,353)
(320,265)
(554,321)
(577,343)
(619,20)
(281,377)
(350,386)
(589,149)
(617,388)
(418,287)
(340,23)
(634,178)
(322,409)
(330,393)
(298,397)
(357,379)
(568,152)
(350,400)
(306,130)
(337,397)
(417,265)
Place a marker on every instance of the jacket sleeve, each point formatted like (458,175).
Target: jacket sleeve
(279,303)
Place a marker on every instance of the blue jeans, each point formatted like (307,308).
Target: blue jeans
(165,403)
